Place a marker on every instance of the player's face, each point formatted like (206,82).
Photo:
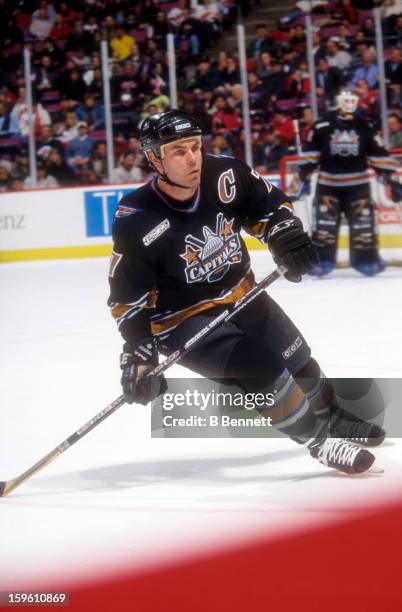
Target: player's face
(182,161)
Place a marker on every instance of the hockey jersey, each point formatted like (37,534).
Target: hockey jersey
(172,260)
(344,149)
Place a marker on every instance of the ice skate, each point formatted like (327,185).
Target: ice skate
(341,455)
(347,426)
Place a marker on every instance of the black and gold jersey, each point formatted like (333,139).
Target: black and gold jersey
(173,259)
(344,149)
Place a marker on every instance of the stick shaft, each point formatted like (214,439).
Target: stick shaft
(7,486)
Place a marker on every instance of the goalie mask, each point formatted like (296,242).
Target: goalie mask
(347,102)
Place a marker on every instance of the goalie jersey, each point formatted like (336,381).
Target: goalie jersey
(344,149)
(172,260)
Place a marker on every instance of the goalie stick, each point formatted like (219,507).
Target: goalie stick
(9,485)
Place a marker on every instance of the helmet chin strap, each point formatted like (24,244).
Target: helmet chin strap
(164,177)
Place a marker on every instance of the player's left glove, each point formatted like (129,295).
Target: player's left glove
(136,362)
(395,188)
(292,248)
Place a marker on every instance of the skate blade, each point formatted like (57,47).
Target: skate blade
(375,469)
(389,442)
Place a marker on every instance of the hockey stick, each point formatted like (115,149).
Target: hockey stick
(8,485)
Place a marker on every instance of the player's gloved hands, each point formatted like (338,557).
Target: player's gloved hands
(136,362)
(395,188)
(291,247)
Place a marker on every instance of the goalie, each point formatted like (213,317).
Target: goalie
(343,146)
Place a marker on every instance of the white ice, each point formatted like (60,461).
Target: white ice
(120,498)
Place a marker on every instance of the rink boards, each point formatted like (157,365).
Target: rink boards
(76,222)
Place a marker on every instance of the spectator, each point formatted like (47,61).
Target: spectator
(21,166)
(225,118)
(45,75)
(219,145)
(344,13)
(40,117)
(178,13)
(98,161)
(206,76)
(269,151)
(336,56)
(299,81)
(5,179)
(368,104)
(306,123)
(79,149)
(79,39)
(368,72)
(122,45)
(391,9)
(147,13)
(161,28)
(235,98)
(189,32)
(41,25)
(61,29)
(127,171)
(395,133)
(91,112)
(282,126)
(230,73)
(207,12)
(17,184)
(161,101)
(88,177)
(8,122)
(89,72)
(46,6)
(55,53)
(256,90)
(73,87)
(328,80)
(134,147)
(368,29)
(263,67)
(59,169)
(262,42)
(68,128)
(46,142)
(393,75)
(43,179)
(275,86)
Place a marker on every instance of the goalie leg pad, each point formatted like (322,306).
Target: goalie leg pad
(326,219)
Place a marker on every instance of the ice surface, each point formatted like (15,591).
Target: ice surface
(120,497)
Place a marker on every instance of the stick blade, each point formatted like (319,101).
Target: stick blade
(2,489)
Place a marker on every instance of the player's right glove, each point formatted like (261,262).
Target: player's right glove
(135,363)
(292,248)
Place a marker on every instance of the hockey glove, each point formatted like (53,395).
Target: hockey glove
(291,247)
(395,188)
(136,362)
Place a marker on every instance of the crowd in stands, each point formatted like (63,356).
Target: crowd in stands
(68,113)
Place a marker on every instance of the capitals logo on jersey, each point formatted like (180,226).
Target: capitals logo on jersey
(345,143)
(211,258)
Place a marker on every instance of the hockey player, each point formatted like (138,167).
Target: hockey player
(179,259)
(343,146)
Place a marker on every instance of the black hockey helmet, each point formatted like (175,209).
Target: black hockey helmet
(161,128)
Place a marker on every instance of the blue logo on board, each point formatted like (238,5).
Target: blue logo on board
(100,206)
